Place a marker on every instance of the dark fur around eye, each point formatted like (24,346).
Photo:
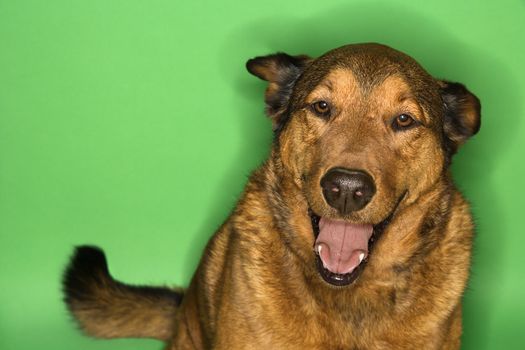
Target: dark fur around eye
(404,122)
(321,109)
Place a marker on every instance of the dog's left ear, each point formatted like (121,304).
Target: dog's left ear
(281,71)
(462,113)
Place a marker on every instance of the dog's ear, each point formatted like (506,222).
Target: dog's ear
(281,72)
(462,113)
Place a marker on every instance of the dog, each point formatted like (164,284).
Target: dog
(351,235)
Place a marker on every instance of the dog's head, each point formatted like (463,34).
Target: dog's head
(359,130)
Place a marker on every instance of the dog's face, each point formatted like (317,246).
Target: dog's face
(360,130)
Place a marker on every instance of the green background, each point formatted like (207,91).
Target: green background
(133,125)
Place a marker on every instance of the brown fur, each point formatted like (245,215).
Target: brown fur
(257,286)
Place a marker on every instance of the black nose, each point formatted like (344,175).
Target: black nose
(347,190)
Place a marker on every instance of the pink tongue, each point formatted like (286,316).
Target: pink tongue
(341,245)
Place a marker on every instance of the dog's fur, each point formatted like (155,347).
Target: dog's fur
(258,285)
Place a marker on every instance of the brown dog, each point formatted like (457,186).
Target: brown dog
(350,236)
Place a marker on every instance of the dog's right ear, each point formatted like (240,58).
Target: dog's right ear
(281,71)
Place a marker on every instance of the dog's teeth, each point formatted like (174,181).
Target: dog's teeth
(361,257)
(319,247)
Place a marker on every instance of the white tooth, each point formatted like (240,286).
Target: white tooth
(361,257)
(319,249)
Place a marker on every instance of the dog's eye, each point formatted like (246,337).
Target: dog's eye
(321,108)
(403,121)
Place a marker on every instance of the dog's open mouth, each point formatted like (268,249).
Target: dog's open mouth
(342,248)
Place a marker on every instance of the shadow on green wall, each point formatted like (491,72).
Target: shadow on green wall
(443,54)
